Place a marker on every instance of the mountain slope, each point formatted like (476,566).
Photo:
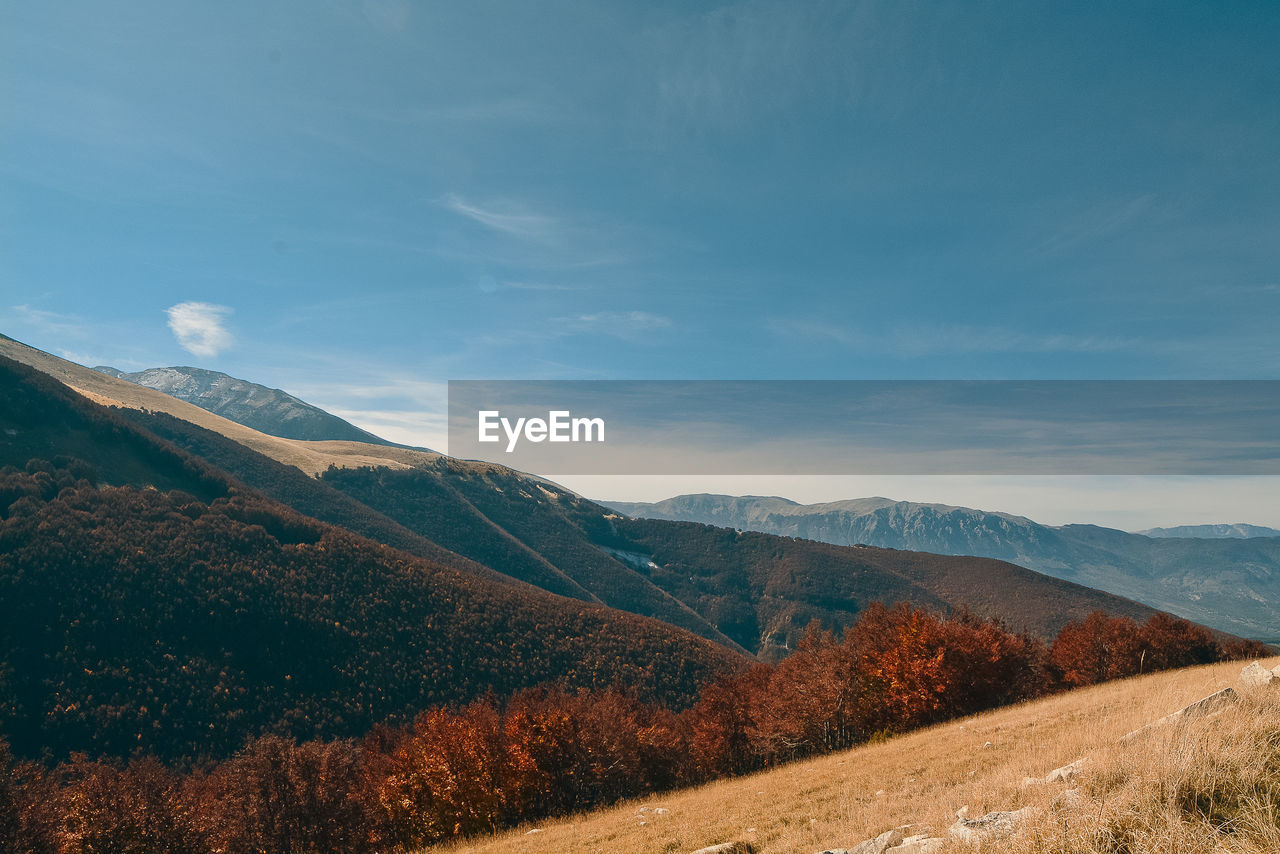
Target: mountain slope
(1230,584)
(269,410)
(1213,532)
(775,586)
(309,496)
(311,457)
(184,618)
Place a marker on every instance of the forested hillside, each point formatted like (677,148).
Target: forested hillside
(182,613)
(758,590)
(143,619)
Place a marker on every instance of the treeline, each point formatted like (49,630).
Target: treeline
(546,751)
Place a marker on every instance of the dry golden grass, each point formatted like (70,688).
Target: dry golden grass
(1210,784)
(311,457)
(924,777)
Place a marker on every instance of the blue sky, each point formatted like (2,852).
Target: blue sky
(364,200)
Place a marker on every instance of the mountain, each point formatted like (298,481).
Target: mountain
(1213,532)
(270,410)
(310,457)
(747,593)
(1230,584)
(150,601)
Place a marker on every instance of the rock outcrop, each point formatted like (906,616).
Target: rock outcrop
(1256,675)
(993,825)
(728,848)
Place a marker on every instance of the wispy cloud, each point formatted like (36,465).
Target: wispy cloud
(1104,221)
(517,233)
(934,339)
(540,286)
(96,341)
(422,428)
(367,386)
(49,322)
(620,324)
(403,409)
(92,360)
(199,328)
(507,218)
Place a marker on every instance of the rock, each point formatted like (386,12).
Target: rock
(1257,675)
(920,844)
(1211,703)
(1207,705)
(728,848)
(1066,773)
(880,844)
(535,830)
(993,825)
(914,829)
(661,811)
(834,851)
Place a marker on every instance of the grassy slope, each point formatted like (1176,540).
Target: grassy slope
(311,457)
(925,776)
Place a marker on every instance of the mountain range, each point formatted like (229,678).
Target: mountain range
(1232,584)
(1224,531)
(170,542)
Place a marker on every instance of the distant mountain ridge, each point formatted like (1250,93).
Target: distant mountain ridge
(1232,584)
(1222,531)
(268,410)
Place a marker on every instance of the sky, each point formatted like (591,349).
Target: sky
(360,201)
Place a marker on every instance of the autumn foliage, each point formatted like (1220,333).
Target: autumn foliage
(548,751)
(1101,647)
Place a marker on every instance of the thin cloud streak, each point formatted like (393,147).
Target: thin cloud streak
(617,322)
(50,322)
(926,340)
(506,219)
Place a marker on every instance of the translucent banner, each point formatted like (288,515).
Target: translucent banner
(1136,427)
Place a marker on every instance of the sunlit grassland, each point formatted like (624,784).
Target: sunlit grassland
(980,761)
